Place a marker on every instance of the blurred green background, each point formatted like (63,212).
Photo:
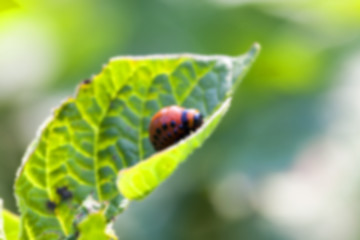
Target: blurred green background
(284,162)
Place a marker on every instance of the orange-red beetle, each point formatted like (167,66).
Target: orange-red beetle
(171,124)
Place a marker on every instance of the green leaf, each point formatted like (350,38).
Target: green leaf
(9,224)
(93,228)
(104,129)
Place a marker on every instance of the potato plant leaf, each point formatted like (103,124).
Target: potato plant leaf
(103,130)
(92,227)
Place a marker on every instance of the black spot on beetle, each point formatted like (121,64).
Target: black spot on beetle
(50,205)
(184,119)
(158,130)
(64,193)
(198,120)
(169,135)
(173,123)
(164,126)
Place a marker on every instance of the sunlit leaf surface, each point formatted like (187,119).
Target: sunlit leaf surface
(93,228)
(104,129)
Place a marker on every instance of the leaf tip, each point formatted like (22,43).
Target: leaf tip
(253,52)
(256,46)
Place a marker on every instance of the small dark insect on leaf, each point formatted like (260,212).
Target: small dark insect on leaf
(50,205)
(64,193)
(74,236)
(87,81)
